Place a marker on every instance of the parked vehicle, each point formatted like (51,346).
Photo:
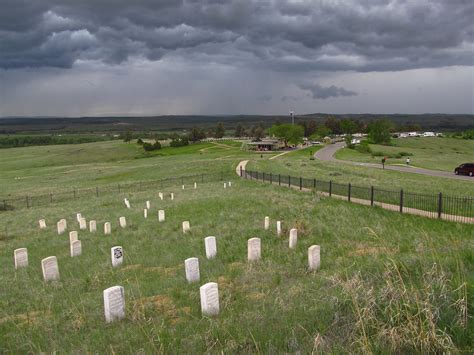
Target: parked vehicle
(465,169)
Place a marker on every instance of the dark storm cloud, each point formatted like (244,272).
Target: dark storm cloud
(320,92)
(369,35)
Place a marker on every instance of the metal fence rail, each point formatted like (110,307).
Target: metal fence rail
(28,201)
(452,208)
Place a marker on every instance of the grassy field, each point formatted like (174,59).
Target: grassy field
(388,282)
(429,152)
(298,164)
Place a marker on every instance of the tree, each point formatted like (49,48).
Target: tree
(220,130)
(288,133)
(310,128)
(321,132)
(127,136)
(379,131)
(258,132)
(348,126)
(150,147)
(139,141)
(196,134)
(334,125)
(239,130)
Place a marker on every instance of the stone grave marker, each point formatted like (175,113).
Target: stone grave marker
(191,267)
(267,223)
(123,222)
(78,217)
(145,213)
(116,254)
(42,224)
(107,228)
(211,247)
(293,238)
(20,257)
(76,248)
(73,236)
(278,228)
(182,187)
(92,226)
(314,256)
(61,226)
(160,195)
(225,185)
(161,215)
(114,303)
(82,223)
(230,183)
(195,185)
(172,196)
(50,268)
(209,294)
(186,227)
(127,203)
(148,205)
(253,249)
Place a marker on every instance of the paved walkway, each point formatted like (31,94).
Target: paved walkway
(327,154)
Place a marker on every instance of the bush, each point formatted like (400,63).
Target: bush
(150,147)
(179,142)
(139,141)
(405,154)
(363,147)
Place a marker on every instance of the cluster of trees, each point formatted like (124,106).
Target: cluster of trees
(33,140)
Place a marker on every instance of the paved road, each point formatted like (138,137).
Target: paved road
(327,154)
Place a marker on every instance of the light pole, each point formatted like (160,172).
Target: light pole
(292,115)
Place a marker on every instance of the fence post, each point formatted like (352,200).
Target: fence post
(401,201)
(263,177)
(301,183)
(279,180)
(51,198)
(371,195)
(289,180)
(330,188)
(5,205)
(271,179)
(97,191)
(349,192)
(314,184)
(241,171)
(440,204)
(27,205)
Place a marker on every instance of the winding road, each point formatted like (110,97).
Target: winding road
(327,154)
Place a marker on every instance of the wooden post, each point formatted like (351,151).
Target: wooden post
(97,191)
(349,192)
(289,181)
(371,195)
(271,179)
(27,204)
(241,171)
(301,183)
(330,188)
(279,180)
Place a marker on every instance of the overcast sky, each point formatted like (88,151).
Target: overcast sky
(106,57)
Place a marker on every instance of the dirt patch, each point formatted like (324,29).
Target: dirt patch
(362,249)
(256,296)
(25,318)
(132,267)
(167,271)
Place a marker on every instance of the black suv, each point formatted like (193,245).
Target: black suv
(465,169)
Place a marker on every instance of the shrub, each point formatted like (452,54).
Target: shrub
(139,141)
(179,142)
(405,154)
(150,147)
(363,147)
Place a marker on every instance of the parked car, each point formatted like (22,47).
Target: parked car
(465,169)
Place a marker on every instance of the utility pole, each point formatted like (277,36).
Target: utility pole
(292,115)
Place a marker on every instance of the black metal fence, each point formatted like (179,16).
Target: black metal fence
(453,208)
(96,192)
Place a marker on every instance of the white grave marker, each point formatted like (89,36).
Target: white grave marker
(161,215)
(123,222)
(20,257)
(114,303)
(230,183)
(92,226)
(293,238)
(209,299)
(195,185)
(50,268)
(253,249)
(82,223)
(172,196)
(225,185)
(61,226)
(42,224)
(73,236)
(211,247)
(127,203)
(78,217)
(182,187)
(278,228)
(107,228)
(145,213)
(186,227)
(148,205)
(314,257)
(160,195)
(116,254)
(76,248)
(267,223)
(191,267)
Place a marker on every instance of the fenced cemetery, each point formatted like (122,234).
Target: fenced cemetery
(231,266)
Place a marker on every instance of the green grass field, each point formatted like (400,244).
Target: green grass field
(429,152)
(388,282)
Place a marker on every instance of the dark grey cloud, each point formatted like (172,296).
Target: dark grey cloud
(369,35)
(321,92)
